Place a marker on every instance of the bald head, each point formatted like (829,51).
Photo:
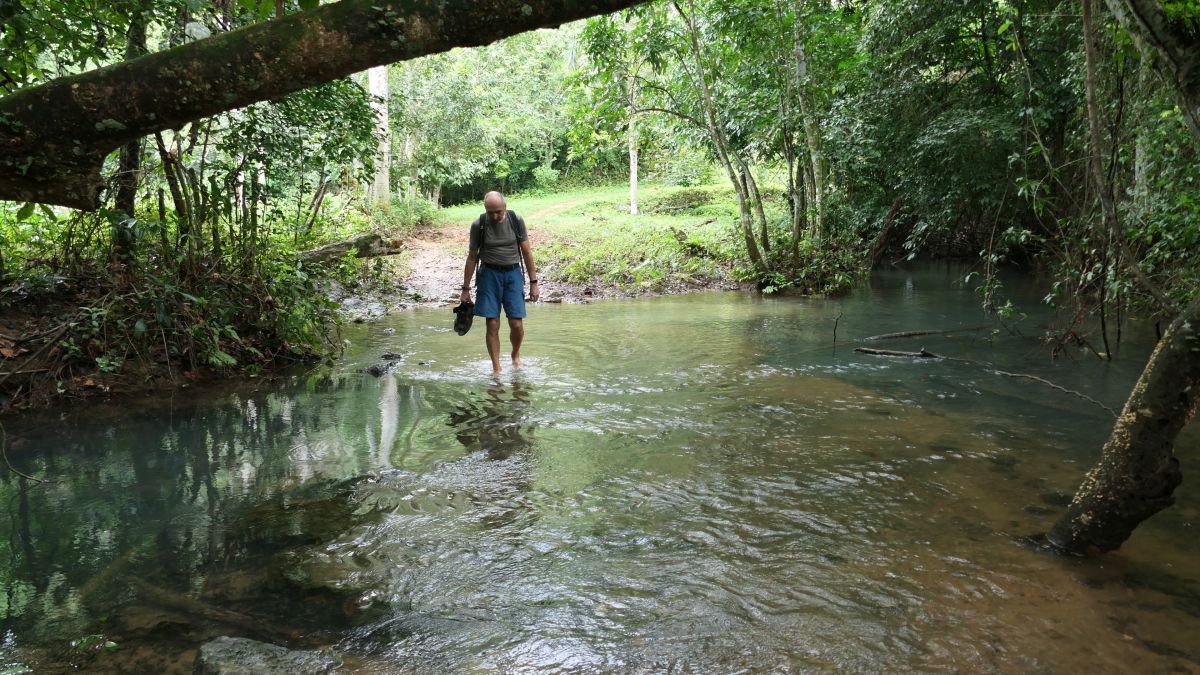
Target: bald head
(493,203)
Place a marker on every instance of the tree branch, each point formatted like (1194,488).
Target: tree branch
(54,137)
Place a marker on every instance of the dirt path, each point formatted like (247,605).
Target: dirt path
(432,270)
(555,209)
(437,255)
(435,263)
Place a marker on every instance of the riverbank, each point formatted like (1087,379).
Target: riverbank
(77,342)
(588,246)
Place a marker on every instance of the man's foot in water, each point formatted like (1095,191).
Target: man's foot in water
(516,361)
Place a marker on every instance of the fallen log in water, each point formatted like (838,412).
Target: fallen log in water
(888,352)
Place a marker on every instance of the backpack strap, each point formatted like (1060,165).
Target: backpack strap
(512,224)
(482,224)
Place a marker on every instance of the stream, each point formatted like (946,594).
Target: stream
(703,483)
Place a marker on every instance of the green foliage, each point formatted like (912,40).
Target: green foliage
(685,166)
(402,214)
(677,201)
(638,256)
(933,121)
(211,282)
(545,177)
(469,121)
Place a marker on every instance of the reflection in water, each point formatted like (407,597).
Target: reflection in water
(389,420)
(690,484)
(495,424)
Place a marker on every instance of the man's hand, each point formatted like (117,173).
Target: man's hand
(465,296)
(534,292)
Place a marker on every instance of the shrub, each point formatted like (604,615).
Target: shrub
(402,214)
(545,177)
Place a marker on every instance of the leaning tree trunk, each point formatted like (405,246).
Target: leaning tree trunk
(1138,471)
(130,160)
(129,165)
(633,143)
(812,130)
(717,135)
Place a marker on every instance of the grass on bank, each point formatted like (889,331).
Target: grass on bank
(587,237)
(681,237)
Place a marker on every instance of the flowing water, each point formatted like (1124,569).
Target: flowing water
(706,483)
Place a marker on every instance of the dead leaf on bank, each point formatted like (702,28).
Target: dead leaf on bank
(89,383)
(12,352)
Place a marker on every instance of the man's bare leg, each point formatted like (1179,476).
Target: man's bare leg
(493,343)
(516,333)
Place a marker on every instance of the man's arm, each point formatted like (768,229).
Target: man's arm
(468,273)
(531,268)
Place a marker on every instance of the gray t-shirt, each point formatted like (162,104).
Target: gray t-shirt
(499,246)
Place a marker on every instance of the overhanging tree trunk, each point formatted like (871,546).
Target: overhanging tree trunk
(1138,470)
(54,137)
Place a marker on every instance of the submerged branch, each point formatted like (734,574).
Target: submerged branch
(889,352)
(923,354)
(192,607)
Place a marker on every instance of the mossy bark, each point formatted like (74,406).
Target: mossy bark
(1138,471)
(54,137)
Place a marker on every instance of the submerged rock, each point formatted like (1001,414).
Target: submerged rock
(238,656)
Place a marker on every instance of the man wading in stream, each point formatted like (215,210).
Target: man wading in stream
(499,244)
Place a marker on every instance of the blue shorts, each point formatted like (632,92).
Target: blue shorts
(494,288)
